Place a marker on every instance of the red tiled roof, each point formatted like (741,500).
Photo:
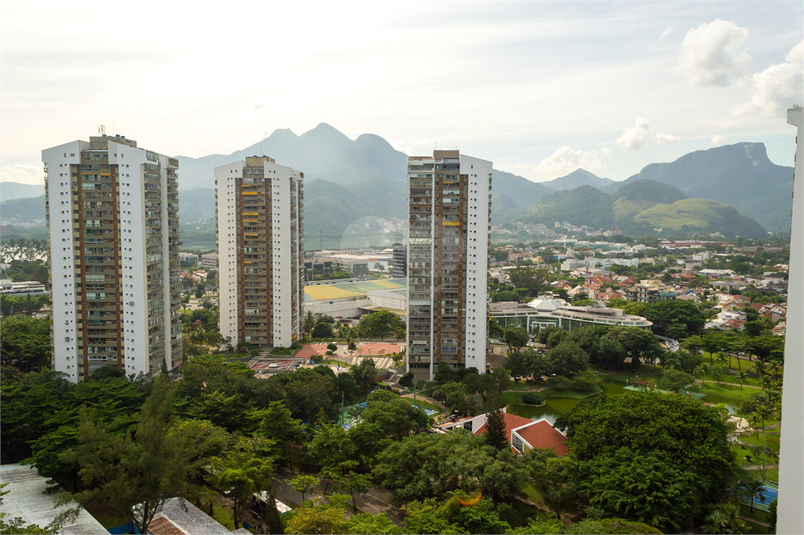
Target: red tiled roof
(512,421)
(543,435)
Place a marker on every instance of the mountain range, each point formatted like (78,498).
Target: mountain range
(350,183)
(640,208)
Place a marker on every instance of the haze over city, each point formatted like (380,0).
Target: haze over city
(539,88)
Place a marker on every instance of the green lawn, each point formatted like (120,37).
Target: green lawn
(726,390)
(771,474)
(623,377)
(523,385)
(533,492)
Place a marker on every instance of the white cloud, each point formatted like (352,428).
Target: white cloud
(776,88)
(710,55)
(718,140)
(26,173)
(661,42)
(639,134)
(566,160)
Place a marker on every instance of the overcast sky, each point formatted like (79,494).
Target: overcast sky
(539,88)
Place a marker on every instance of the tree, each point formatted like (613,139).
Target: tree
(741,378)
(674,380)
(304,484)
(379,524)
(322,330)
(136,474)
(394,416)
(364,372)
(25,342)
(516,338)
(380,324)
(567,358)
(724,519)
(314,519)
(495,434)
(309,323)
(556,475)
(645,488)
(353,482)
(406,380)
(685,441)
(244,470)
(425,517)
(719,371)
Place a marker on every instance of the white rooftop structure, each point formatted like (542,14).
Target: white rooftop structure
(26,499)
(546,303)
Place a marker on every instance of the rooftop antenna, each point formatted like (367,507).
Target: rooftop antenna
(102,129)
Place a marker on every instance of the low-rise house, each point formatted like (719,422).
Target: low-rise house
(523,433)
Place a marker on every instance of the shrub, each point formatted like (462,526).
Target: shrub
(531,399)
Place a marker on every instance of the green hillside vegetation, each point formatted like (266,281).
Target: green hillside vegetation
(690,215)
(640,207)
(584,205)
(634,198)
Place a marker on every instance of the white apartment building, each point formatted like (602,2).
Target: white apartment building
(113,220)
(260,235)
(449,206)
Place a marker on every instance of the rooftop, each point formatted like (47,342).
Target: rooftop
(27,499)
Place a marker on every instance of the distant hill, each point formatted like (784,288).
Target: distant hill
(15,190)
(584,205)
(512,194)
(25,210)
(739,175)
(196,205)
(700,215)
(634,198)
(639,208)
(579,177)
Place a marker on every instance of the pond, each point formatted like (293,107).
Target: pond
(554,407)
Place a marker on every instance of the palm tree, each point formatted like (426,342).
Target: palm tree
(309,323)
(767,382)
(704,367)
(759,368)
(774,369)
(198,336)
(741,377)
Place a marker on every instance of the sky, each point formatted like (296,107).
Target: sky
(538,88)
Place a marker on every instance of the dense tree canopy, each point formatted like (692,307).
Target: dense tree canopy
(681,441)
(25,342)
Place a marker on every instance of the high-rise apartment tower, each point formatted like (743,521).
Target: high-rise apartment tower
(113,218)
(260,241)
(449,205)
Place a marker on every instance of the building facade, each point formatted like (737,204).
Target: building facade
(400,267)
(449,208)
(260,231)
(113,220)
(650,291)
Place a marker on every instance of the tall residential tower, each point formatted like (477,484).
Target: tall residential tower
(260,243)
(449,206)
(113,218)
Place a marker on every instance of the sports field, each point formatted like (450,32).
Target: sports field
(345,290)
